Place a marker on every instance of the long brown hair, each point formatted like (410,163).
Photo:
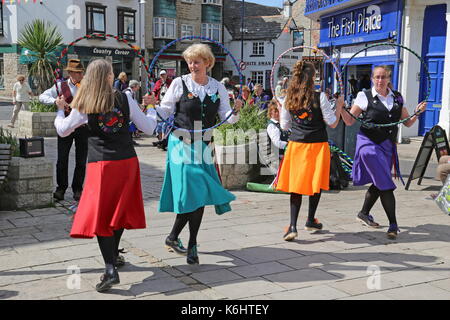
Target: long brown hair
(300,93)
(95,94)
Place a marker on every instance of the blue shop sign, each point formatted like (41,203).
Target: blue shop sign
(372,21)
(316,5)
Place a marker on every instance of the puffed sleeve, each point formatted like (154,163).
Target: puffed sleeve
(66,125)
(225,108)
(361,101)
(328,114)
(285,117)
(172,96)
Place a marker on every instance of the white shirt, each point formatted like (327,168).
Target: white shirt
(327,112)
(49,96)
(22,91)
(275,135)
(362,102)
(175,91)
(65,126)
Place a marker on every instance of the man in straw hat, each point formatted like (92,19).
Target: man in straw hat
(67,89)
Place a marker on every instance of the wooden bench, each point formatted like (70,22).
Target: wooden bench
(5,158)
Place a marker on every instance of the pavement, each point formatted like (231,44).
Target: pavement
(242,253)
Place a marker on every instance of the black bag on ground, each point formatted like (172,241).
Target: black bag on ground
(338,177)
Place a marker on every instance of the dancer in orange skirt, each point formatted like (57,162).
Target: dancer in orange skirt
(306,166)
(112,198)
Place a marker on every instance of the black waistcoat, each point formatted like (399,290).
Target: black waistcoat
(284,136)
(308,125)
(378,113)
(109,137)
(190,109)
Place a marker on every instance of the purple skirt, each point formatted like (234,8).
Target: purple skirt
(373,163)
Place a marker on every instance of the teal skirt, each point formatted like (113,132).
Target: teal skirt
(191,180)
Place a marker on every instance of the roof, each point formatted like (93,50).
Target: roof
(261,22)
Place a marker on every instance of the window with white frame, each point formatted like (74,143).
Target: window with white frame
(164,28)
(258,48)
(188,1)
(187,30)
(212,1)
(212,31)
(258,77)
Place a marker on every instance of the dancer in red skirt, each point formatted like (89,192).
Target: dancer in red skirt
(306,166)
(112,198)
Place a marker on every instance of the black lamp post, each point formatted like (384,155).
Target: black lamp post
(242,29)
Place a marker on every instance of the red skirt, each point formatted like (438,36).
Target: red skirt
(111,199)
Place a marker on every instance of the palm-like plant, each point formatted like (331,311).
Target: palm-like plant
(41,39)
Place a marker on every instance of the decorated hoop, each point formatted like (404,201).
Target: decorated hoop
(315,49)
(236,64)
(372,125)
(136,50)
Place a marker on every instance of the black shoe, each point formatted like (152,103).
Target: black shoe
(175,246)
(393,231)
(314,225)
(77,195)
(192,256)
(291,233)
(367,220)
(155,143)
(59,194)
(107,280)
(135,143)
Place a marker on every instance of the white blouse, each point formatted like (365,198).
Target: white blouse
(362,102)
(175,91)
(329,115)
(66,125)
(275,135)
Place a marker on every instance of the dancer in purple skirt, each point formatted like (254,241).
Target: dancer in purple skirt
(376,151)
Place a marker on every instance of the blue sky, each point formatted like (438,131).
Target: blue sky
(272,3)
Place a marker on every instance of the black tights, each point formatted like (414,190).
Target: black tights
(109,246)
(387,200)
(296,203)
(194,218)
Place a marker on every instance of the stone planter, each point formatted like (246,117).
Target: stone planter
(29,184)
(238,164)
(36,124)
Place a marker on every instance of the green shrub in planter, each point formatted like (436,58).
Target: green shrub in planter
(36,106)
(7,138)
(251,121)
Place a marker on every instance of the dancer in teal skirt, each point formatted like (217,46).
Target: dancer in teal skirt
(191,180)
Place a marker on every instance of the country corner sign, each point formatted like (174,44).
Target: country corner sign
(368,22)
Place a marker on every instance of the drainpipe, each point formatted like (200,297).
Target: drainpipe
(273,56)
(400,8)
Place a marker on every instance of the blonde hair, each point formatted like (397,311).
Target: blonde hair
(273,105)
(122,76)
(95,94)
(200,50)
(300,93)
(255,88)
(246,89)
(20,77)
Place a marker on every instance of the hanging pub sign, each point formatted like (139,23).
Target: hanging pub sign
(435,139)
(369,22)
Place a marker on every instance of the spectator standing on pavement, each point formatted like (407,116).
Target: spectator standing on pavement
(376,149)
(259,98)
(306,166)
(250,84)
(68,89)
(120,83)
(21,97)
(112,199)
(160,89)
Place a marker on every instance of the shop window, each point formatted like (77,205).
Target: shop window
(212,31)
(126,23)
(212,2)
(187,30)
(1,18)
(95,18)
(258,77)
(2,72)
(164,28)
(258,48)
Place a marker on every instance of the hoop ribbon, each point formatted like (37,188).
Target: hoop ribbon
(372,125)
(241,77)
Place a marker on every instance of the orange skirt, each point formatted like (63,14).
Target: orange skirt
(305,168)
